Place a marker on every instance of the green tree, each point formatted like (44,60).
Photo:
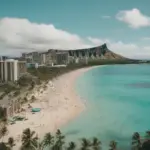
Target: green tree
(72,146)
(96,144)
(136,141)
(147,135)
(146,145)
(40,146)
(29,140)
(85,144)
(3,131)
(11,142)
(59,141)
(3,146)
(48,140)
(146,141)
(113,145)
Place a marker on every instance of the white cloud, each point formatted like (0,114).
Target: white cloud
(146,38)
(106,17)
(97,41)
(22,35)
(129,50)
(134,18)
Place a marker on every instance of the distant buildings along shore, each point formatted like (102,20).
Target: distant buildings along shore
(11,69)
(61,57)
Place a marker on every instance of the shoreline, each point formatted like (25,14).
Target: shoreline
(59,104)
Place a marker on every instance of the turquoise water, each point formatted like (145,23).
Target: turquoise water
(118,104)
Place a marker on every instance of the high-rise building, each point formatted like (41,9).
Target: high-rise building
(3,58)
(33,57)
(10,69)
(62,58)
(43,58)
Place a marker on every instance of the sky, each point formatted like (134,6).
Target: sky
(39,25)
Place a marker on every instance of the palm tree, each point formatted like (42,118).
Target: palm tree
(147,136)
(3,146)
(85,144)
(146,141)
(59,141)
(59,135)
(40,146)
(136,141)
(48,140)
(146,145)
(72,146)
(29,140)
(3,132)
(96,144)
(113,145)
(11,142)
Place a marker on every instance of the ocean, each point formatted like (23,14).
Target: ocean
(117,104)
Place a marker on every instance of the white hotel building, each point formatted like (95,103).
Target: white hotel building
(11,69)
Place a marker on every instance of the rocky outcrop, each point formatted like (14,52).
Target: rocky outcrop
(109,54)
(112,55)
(102,51)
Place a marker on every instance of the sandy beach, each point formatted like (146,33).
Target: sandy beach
(59,104)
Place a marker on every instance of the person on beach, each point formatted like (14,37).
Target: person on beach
(29,106)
